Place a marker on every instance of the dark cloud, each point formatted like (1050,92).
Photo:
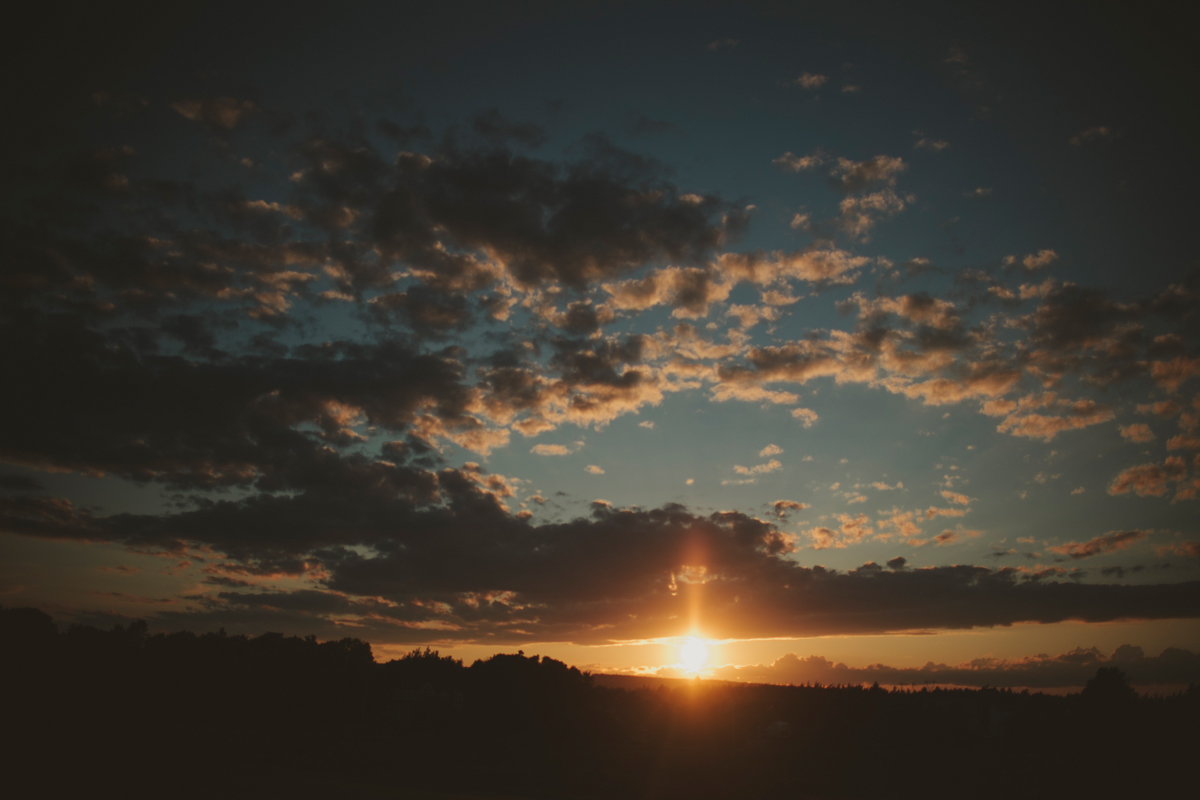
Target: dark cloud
(20,483)
(169,419)
(606,214)
(428,312)
(456,559)
(1081,329)
(456,221)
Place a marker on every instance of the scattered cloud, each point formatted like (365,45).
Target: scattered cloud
(550,450)
(1033,261)
(793,163)
(926,143)
(782,507)
(758,469)
(1148,480)
(1108,543)
(1138,432)
(807,417)
(951,536)
(955,497)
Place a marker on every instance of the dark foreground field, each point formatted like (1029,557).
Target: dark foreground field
(124,714)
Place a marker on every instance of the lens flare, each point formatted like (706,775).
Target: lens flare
(693,655)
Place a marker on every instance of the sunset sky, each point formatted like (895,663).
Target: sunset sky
(856,337)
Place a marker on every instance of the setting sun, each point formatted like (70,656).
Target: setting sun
(693,655)
(435,399)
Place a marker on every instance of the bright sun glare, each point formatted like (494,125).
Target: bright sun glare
(693,655)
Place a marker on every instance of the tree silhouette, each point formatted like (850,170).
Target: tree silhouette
(1110,686)
(277,715)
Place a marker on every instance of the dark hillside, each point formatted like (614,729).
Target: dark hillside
(181,715)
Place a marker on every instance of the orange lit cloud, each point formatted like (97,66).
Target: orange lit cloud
(1108,543)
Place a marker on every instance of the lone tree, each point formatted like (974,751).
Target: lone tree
(1110,685)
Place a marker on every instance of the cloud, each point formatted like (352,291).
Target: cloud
(934,511)
(593,469)
(475,292)
(690,290)
(1163,408)
(1108,543)
(806,415)
(926,143)
(723,44)
(782,507)
(1173,373)
(1183,441)
(955,497)
(550,450)
(979,191)
(749,315)
(1138,432)
(952,536)
(815,265)
(809,80)
(854,528)
(427,209)
(771,466)
(859,213)
(854,176)
(1078,414)
(770,450)
(1190,549)
(589,580)
(793,163)
(1043,258)
(1148,480)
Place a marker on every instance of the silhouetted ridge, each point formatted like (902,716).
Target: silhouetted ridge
(130,713)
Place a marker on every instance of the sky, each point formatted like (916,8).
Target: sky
(673,338)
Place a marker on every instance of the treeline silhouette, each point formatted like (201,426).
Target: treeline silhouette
(129,714)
